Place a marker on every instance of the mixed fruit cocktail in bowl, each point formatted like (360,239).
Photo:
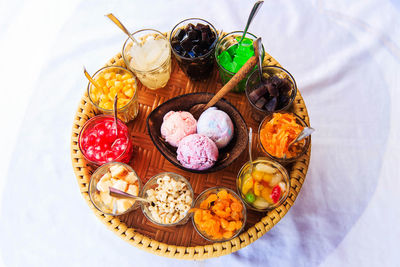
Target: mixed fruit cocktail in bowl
(265,186)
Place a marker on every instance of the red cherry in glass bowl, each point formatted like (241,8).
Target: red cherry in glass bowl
(101,142)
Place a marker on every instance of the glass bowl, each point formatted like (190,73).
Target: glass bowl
(125,156)
(179,200)
(197,68)
(94,193)
(279,169)
(203,196)
(223,44)
(284,160)
(127,112)
(156,76)
(254,81)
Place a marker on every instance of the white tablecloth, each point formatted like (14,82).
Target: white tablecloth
(345,57)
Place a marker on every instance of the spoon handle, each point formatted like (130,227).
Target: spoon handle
(253,13)
(247,67)
(91,80)
(306,132)
(116,113)
(121,26)
(121,194)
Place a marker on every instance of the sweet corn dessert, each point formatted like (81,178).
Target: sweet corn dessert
(109,83)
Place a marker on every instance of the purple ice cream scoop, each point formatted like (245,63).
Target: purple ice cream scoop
(217,125)
(197,152)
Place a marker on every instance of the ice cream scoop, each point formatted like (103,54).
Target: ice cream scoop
(176,125)
(197,152)
(217,125)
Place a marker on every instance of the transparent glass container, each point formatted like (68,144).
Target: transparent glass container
(225,43)
(153,76)
(279,168)
(203,196)
(127,112)
(152,184)
(284,160)
(125,155)
(254,81)
(196,68)
(94,194)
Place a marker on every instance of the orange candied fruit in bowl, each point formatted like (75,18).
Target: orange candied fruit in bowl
(219,216)
(112,83)
(278,132)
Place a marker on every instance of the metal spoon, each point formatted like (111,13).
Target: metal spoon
(250,154)
(260,62)
(116,113)
(303,134)
(121,194)
(196,110)
(253,13)
(122,27)
(91,80)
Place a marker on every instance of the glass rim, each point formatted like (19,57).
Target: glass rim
(244,213)
(220,40)
(144,71)
(87,124)
(292,98)
(213,45)
(284,160)
(173,175)
(121,109)
(280,167)
(99,169)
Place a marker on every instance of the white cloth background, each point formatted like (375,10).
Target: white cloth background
(345,57)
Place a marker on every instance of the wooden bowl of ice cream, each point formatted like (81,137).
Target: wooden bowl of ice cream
(226,154)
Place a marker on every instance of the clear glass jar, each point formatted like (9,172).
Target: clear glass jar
(197,68)
(153,184)
(123,156)
(151,60)
(127,112)
(279,169)
(224,44)
(284,160)
(203,196)
(94,193)
(254,81)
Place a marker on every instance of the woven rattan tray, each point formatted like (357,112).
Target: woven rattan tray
(183,242)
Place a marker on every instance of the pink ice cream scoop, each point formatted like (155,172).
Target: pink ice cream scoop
(176,125)
(197,152)
(217,125)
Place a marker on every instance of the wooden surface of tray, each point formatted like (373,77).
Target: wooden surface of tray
(183,241)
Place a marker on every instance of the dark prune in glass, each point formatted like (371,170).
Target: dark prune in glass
(261,102)
(272,88)
(257,93)
(271,105)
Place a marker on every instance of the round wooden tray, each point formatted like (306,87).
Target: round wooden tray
(183,242)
